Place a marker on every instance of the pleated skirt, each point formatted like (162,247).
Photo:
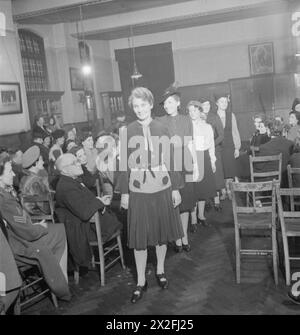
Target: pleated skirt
(152,219)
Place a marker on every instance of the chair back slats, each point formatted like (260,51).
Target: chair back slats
(289,191)
(255,216)
(292,172)
(265,174)
(252,187)
(48,198)
(289,224)
(254,210)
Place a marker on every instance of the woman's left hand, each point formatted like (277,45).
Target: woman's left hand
(236,153)
(176,197)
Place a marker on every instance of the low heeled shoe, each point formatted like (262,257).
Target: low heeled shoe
(162,281)
(138,292)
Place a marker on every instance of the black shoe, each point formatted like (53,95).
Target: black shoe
(162,281)
(178,248)
(193,228)
(295,299)
(218,207)
(138,292)
(186,247)
(204,222)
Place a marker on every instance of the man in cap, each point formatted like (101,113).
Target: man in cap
(75,205)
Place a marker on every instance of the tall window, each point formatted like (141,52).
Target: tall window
(33,61)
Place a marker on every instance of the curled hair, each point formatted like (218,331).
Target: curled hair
(4,158)
(297,115)
(141,93)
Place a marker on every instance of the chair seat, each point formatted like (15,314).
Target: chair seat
(255,221)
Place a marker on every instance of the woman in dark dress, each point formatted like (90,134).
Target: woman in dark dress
(232,142)
(180,128)
(149,191)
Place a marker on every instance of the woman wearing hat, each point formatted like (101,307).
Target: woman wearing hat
(149,190)
(214,120)
(203,138)
(180,126)
(34,184)
(232,142)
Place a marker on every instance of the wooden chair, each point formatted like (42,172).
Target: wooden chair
(34,285)
(260,176)
(292,172)
(114,243)
(254,218)
(48,199)
(290,227)
(254,150)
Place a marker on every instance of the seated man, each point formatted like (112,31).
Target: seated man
(42,242)
(75,206)
(34,184)
(278,144)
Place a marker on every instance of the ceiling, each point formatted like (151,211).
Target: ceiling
(101,8)
(90,10)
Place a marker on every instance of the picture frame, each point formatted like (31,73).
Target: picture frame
(10,98)
(261,57)
(76,78)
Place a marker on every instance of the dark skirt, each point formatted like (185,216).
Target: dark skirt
(219,174)
(229,162)
(206,188)
(152,219)
(188,198)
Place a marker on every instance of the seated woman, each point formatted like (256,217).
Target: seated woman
(292,133)
(261,135)
(36,182)
(295,161)
(42,242)
(88,179)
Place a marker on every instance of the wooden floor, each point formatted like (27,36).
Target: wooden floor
(201,282)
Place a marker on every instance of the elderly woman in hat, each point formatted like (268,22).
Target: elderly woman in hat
(149,190)
(232,142)
(181,131)
(36,182)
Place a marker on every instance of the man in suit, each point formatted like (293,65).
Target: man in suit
(278,144)
(75,206)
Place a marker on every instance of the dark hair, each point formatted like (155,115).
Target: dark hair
(276,127)
(297,115)
(4,158)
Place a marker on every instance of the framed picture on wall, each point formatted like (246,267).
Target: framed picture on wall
(76,78)
(261,58)
(10,98)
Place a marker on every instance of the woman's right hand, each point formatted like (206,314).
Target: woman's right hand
(106,199)
(124,201)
